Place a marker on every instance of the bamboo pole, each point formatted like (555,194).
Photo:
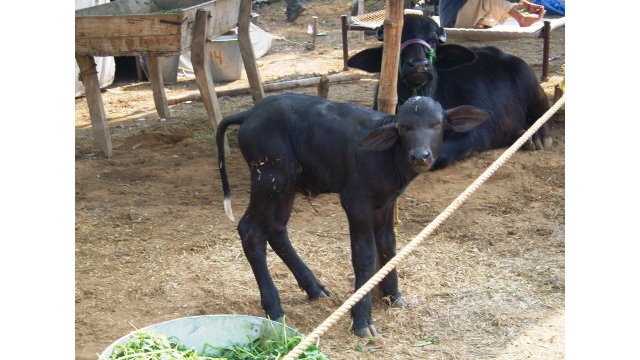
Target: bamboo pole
(284,85)
(393,22)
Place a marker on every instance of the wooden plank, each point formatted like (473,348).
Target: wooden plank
(117,8)
(99,127)
(150,34)
(151,46)
(224,16)
(132,7)
(127,26)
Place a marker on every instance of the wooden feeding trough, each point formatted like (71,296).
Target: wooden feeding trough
(156,29)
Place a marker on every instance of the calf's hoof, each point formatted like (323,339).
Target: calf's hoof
(366,332)
(538,143)
(398,303)
(321,295)
(528,145)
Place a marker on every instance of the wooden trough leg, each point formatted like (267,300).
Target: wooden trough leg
(202,70)
(157,84)
(138,68)
(89,77)
(246,51)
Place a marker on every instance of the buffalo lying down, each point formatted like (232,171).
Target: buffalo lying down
(305,144)
(484,77)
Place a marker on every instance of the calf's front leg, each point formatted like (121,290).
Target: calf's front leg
(386,248)
(363,259)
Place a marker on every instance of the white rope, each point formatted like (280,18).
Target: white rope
(377,277)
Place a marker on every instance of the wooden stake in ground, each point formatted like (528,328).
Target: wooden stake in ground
(323,87)
(314,34)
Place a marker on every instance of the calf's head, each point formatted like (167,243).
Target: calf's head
(419,127)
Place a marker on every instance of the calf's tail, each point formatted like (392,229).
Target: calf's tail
(236,119)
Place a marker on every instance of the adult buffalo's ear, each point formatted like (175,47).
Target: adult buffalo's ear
(465,117)
(451,56)
(369,60)
(380,33)
(381,138)
(442,35)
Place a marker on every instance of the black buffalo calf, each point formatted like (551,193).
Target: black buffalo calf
(305,144)
(484,77)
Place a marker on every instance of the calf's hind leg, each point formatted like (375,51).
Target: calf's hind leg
(279,241)
(265,221)
(254,245)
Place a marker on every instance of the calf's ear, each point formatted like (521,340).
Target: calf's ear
(380,139)
(466,117)
(452,56)
(369,60)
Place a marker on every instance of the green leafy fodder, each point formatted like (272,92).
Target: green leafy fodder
(271,348)
(170,11)
(152,346)
(148,345)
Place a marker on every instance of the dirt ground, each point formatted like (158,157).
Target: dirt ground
(153,242)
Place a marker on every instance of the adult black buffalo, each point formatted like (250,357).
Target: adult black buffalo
(306,144)
(485,77)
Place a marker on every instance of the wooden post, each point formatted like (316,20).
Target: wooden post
(314,33)
(89,77)
(545,50)
(393,22)
(246,51)
(157,85)
(345,46)
(202,70)
(360,12)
